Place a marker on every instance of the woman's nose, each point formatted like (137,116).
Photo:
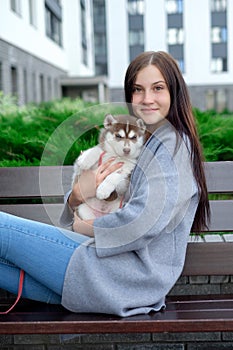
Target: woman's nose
(148,96)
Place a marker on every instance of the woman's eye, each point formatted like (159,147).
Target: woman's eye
(158,88)
(137,89)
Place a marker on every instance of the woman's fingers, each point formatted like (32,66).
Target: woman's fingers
(89,180)
(106,169)
(105,165)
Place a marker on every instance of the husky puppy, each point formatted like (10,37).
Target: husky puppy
(122,137)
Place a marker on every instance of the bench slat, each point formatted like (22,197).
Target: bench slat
(221,216)
(56,180)
(209,259)
(221,182)
(221,219)
(35,181)
(200,316)
(46,213)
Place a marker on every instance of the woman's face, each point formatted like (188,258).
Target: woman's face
(151,98)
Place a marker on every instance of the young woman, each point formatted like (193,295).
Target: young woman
(126,262)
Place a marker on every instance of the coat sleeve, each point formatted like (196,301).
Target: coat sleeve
(67,215)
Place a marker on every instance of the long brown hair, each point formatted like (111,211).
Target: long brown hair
(180,116)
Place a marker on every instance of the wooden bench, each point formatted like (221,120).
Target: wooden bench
(21,190)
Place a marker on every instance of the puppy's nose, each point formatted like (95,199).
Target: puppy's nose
(126,150)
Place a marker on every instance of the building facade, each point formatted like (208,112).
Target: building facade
(31,53)
(42,44)
(198,34)
(55,48)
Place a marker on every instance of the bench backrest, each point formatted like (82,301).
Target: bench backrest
(37,193)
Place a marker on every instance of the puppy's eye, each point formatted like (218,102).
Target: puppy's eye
(118,136)
(133,137)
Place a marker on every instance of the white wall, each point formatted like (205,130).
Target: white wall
(197,45)
(117,41)
(72,38)
(155,25)
(17,30)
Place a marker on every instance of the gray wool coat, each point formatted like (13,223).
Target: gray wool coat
(138,252)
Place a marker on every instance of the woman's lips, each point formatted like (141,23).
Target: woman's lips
(149,110)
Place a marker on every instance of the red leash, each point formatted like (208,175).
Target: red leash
(101,158)
(20,289)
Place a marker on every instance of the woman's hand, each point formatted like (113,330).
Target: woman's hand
(84,227)
(89,180)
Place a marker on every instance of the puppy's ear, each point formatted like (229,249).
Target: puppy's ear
(109,120)
(141,125)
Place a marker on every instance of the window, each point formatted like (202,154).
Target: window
(34,87)
(101,69)
(175,36)
(174,6)
(218,65)
(25,86)
(175,31)
(100,39)
(136,38)
(209,97)
(135,27)
(221,100)
(16,6)
(53,19)
(49,88)
(83,31)
(136,7)
(181,65)
(14,81)
(56,87)
(218,5)
(219,35)
(99,13)
(100,44)
(32,12)
(216,99)
(42,97)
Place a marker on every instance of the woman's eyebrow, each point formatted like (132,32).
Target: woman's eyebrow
(159,81)
(156,82)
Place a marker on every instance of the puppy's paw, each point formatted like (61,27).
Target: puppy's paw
(84,162)
(104,190)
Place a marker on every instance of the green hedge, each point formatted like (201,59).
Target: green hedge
(216,134)
(54,133)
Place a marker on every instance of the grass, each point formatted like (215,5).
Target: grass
(54,133)
(51,133)
(216,134)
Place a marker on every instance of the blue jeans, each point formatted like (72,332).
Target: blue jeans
(41,250)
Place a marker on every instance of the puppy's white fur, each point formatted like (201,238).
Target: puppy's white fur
(122,137)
